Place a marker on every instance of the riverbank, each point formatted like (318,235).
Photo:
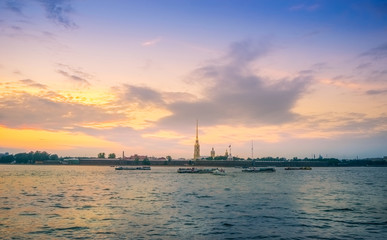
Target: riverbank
(243,163)
(225,163)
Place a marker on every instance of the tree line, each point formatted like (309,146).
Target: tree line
(30,157)
(102,155)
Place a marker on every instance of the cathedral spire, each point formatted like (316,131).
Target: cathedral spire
(197,146)
(197,127)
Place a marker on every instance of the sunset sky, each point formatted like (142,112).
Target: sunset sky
(295,78)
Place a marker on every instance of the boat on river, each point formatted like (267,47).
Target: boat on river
(262,169)
(196,170)
(220,172)
(134,168)
(298,168)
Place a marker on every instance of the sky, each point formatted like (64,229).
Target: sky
(290,78)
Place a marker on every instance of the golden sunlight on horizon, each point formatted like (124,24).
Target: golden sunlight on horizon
(29,138)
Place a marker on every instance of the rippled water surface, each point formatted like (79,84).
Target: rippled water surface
(90,202)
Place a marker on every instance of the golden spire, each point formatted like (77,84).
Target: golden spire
(197,146)
(197,133)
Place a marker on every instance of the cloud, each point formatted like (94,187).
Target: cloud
(363,66)
(56,10)
(171,97)
(342,77)
(307,72)
(235,95)
(31,83)
(376,53)
(251,102)
(74,77)
(231,93)
(143,95)
(377,74)
(74,74)
(376,91)
(151,42)
(246,51)
(59,11)
(14,5)
(16,28)
(31,111)
(305,7)
(117,134)
(336,125)
(312,33)
(314,69)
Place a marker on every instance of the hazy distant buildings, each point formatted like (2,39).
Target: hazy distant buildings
(160,159)
(212,153)
(70,161)
(136,157)
(197,146)
(229,157)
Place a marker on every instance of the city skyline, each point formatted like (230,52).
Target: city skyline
(297,78)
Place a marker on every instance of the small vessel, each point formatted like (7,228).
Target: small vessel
(263,169)
(134,168)
(196,170)
(220,172)
(298,168)
(187,170)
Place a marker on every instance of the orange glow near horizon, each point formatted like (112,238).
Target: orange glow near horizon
(48,140)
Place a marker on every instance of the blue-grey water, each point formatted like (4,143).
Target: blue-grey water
(96,202)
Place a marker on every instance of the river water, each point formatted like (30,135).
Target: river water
(97,202)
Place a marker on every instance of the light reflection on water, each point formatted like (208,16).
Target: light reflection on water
(100,203)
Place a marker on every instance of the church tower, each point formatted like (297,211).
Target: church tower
(197,146)
(212,153)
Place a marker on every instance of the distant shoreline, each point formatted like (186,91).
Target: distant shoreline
(223,163)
